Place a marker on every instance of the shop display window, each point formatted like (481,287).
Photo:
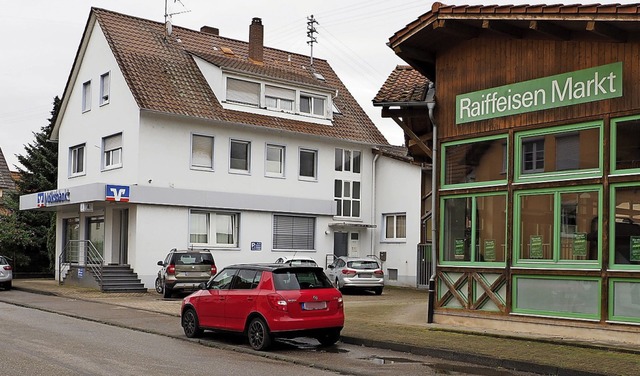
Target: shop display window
(475,162)
(624,227)
(625,153)
(474,229)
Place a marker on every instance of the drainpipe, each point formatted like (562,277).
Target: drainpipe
(373,202)
(431,105)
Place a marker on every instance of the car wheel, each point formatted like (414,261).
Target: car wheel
(190,324)
(258,334)
(7,285)
(329,338)
(337,284)
(166,291)
(378,290)
(159,288)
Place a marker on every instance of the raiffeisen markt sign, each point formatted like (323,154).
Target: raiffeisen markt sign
(587,85)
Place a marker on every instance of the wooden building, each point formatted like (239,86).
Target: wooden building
(534,133)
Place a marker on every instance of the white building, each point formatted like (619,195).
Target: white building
(186,139)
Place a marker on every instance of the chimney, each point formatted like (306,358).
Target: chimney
(256,38)
(210,30)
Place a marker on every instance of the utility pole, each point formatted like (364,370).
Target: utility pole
(311,31)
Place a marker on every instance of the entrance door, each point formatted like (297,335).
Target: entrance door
(95,233)
(340,243)
(121,239)
(354,244)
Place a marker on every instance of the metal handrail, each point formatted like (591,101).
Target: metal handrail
(90,258)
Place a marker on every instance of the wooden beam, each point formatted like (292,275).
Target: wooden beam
(608,31)
(425,149)
(503,28)
(456,28)
(551,30)
(404,112)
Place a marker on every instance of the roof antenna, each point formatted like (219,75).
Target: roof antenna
(311,31)
(167,16)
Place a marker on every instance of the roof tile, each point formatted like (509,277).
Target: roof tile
(403,85)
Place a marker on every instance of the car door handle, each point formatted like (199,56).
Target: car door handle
(250,298)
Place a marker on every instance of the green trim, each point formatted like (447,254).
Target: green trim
(443,162)
(614,146)
(555,262)
(519,177)
(612,296)
(441,260)
(514,297)
(612,231)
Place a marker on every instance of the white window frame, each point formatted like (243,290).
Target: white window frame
(271,92)
(386,218)
(86,96)
(350,155)
(112,152)
(77,160)
(314,152)
(240,101)
(247,156)
(290,230)
(105,88)
(211,229)
(282,153)
(193,161)
(313,105)
(535,149)
(346,196)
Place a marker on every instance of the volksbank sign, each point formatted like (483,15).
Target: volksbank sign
(587,85)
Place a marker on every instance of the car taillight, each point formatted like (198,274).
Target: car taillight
(171,269)
(348,272)
(214,270)
(340,302)
(379,273)
(7,267)
(277,302)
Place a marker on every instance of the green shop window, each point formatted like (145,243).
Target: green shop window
(557,227)
(625,153)
(475,162)
(624,233)
(474,229)
(559,153)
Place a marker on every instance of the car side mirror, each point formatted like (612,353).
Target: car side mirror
(160,263)
(202,285)
(331,266)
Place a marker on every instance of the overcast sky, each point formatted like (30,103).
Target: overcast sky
(39,40)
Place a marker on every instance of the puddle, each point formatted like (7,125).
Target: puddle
(382,360)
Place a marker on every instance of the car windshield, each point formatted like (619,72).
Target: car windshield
(193,258)
(300,279)
(363,264)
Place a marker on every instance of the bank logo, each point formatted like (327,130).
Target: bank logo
(117,193)
(41,200)
(52,197)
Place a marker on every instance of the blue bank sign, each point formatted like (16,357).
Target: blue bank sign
(52,197)
(587,85)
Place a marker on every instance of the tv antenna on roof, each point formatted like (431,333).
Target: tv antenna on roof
(311,31)
(167,15)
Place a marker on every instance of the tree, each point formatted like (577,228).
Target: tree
(29,233)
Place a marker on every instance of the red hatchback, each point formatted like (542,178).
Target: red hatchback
(267,301)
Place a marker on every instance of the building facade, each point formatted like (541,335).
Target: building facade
(174,138)
(534,125)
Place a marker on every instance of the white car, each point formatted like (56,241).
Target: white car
(6,274)
(363,273)
(297,261)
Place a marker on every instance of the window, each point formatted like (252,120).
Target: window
(312,105)
(202,152)
(76,160)
(347,198)
(624,234)
(625,153)
(347,160)
(308,164)
(213,228)
(274,165)
(475,162)
(395,227)
(279,98)
(86,96)
(240,155)
(112,151)
(474,228)
(105,83)
(560,153)
(557,226)
(243,92)
(293,232)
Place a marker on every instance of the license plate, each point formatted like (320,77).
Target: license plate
(310,306)
(365,275)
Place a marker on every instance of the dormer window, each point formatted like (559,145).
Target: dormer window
(279,98)
(243,92)
(310,104)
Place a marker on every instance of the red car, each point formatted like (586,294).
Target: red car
(266,301)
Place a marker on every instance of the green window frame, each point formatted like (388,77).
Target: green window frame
(628,165)
(469,164)
(567,232)
(624,230)
(461,245)
(558,168)
(618,307)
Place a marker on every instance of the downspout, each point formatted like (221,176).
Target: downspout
(431,105)
(373,202)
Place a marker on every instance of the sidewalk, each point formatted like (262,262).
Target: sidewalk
(397,320)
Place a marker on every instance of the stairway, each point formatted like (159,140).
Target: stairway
(120,278)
